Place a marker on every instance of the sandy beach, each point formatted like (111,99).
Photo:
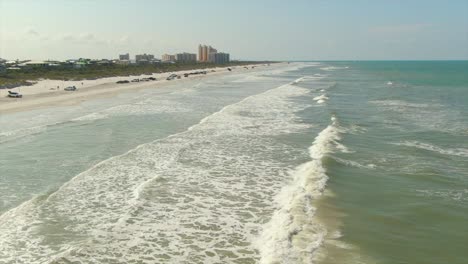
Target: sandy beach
(46,93)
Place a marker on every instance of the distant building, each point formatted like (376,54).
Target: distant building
(36,63)
(122,62)
(200,52)
(124,57)
(186,57)
(221,58)
(218,58)
(104,62)
(79,63)
(168,58)
(204,53)
(144,58)
(211,55)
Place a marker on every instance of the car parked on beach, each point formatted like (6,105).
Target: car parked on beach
(70,88)
(14,94)
(172,77)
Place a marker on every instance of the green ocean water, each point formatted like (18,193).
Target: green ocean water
(307,162)
(406,198)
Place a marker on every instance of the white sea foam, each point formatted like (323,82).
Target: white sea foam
(354,163)
(461,152)
(321,99)
(197,196)
(17,133)
(307,78)
(333,68)
(145,107)
(434,116)
(294,234)
(459,195)
(398,104)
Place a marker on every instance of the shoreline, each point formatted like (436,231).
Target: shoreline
(44,94)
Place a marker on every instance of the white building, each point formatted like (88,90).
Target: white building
(168,58)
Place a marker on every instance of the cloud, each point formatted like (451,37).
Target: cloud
(400,29)
(82,38)
(86,37)
(124,39)
(28,33)
(68,37)
(32,32)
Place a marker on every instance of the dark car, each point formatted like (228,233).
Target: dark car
(124,81)
(70,88)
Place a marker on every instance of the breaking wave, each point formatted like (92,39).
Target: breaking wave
(460,152)
(293,235)
(196,196)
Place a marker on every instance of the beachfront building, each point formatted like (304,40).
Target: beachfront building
(204,53)
(221,57)
(124,57)
(186,57)
(218,58)
(211,51)
(144,58)
(80,63)
(168,58)
(201,55)
(122,62)
(211,55)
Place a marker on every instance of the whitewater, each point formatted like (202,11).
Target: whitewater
(307,162)
(204,194)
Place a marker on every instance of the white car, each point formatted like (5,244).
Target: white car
(14,94)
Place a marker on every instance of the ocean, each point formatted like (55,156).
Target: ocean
(306,162)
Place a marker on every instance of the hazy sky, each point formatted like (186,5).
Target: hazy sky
(248,29)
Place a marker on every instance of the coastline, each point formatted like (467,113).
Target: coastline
(45,94)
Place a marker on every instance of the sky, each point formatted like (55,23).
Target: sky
(247,29)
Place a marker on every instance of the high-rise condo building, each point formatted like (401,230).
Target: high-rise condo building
(211,55)
(186,57)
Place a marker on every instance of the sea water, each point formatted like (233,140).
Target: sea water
(314,162)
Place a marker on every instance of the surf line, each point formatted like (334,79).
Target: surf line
(293,235)
(133,200)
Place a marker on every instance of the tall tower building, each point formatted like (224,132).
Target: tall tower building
(206,53)
(200,48)
(202,53)
(211,54)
